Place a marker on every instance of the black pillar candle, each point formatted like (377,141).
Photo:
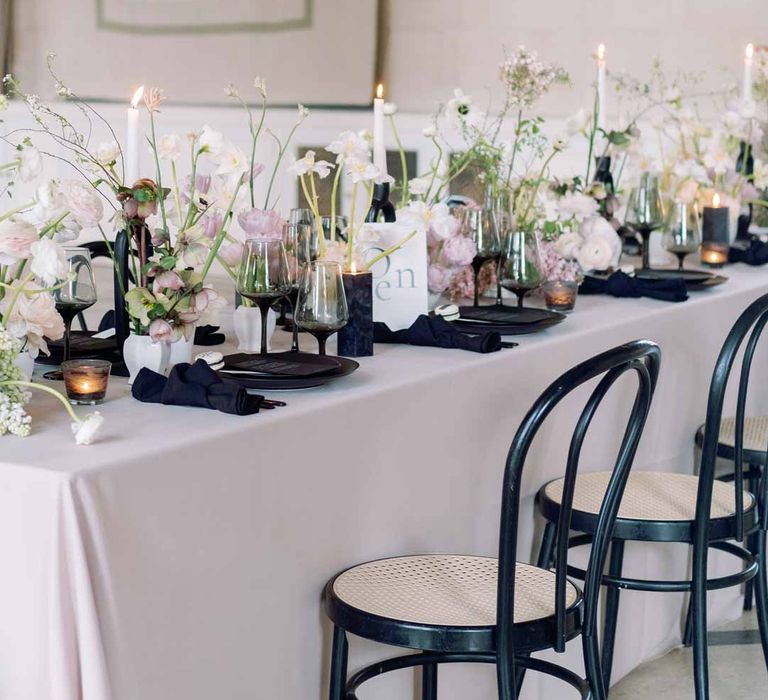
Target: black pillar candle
(715,235)
(356,338)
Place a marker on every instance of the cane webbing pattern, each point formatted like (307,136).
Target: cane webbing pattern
(446,590)
(755,433)
(650,496)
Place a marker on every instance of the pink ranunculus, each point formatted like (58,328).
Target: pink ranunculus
(459,251)
(161,331)
(167,279)
(16,239)
(260,223)
(231,254)
(438,279)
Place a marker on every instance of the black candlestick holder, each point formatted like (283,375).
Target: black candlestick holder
(356,338)
(380,204)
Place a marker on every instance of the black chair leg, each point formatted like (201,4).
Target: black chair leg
(753,483)
(429,682)
(338,665)
(761,592)
(545,561)
(594,673)
(611,610)
(688,631)
(699,626)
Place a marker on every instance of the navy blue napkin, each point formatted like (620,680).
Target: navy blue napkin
(194,385)
(755,254)
(435,331)
(619,284)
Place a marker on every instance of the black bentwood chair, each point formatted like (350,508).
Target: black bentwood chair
(455,608)
(754,452)
(700,511)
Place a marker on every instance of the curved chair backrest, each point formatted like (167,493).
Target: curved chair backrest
(641,357)
(751,323)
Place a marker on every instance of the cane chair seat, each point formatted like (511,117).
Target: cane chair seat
(451,595)
(650,499)
(755,439)
(447,590)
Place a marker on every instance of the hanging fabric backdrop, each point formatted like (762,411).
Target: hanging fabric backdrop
(313,51)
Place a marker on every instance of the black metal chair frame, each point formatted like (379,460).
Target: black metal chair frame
(506,644)
(704,532)
(755,461)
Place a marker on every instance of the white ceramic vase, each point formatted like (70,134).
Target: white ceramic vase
(181,351)
(139,351)
(247,322)
(25,363)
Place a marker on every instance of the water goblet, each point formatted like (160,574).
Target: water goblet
(322,305)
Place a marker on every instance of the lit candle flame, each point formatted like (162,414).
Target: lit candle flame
(380,90)
(137,97)
(353,268)
(749,51)
(601,52)
(716,200)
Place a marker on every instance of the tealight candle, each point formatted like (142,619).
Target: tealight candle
(714,236)
(560,295)
(86,381)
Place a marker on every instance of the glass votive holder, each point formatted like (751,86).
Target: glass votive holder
(86,381)
(714,254)
(560,295)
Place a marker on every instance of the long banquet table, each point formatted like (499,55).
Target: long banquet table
(183,555)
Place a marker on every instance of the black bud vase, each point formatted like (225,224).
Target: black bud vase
(356,338)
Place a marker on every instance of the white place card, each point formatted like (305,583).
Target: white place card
(400,280)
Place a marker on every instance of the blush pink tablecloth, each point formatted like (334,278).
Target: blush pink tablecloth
(183,556)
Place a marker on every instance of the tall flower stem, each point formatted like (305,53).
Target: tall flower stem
(48,390)
(17,210)
(403,162)
(353,224)
(153,144)
(334,192)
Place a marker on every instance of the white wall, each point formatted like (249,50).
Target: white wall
(437,45)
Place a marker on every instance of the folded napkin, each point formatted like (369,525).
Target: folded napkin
(437,332)
(619,284)
(194,385)
(755,254)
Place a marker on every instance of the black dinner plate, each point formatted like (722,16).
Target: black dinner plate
(507,320)
(695,280)
(345,366)
(280,364)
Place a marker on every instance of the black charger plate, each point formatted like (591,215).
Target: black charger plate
(282,383)
(507,320)
(695,280)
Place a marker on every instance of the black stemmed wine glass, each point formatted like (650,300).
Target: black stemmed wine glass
(296,238)
(264,277)
(682,236)
(520,268)
(645,212)
(76,292)
(482,230)
(322,305)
